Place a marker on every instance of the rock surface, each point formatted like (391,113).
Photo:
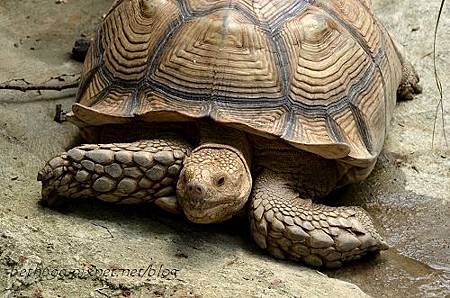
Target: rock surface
(407,194)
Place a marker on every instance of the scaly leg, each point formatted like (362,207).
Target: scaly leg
(409,84)
(128,173)
(291,227)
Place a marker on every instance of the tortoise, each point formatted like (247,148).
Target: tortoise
(214,108)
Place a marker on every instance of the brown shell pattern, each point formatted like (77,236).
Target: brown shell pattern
(319,74)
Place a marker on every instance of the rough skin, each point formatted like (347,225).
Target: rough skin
(125,173)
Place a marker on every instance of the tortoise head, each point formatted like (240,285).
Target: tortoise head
(214,184)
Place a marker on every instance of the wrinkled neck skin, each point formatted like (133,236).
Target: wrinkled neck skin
(310,175)
(216,181)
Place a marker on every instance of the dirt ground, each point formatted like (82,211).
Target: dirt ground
(408,194)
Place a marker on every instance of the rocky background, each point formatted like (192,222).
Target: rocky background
(408,194)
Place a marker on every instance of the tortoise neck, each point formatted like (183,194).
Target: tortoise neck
(213,135)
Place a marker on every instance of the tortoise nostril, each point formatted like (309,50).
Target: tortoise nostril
(196,190)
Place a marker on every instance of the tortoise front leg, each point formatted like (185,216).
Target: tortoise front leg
(291,227)
(128,173)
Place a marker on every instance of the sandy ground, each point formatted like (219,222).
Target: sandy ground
(408,193)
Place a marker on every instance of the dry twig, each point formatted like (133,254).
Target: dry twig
(23,85)
(440,105)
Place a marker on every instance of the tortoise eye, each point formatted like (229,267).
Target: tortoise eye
(220,181)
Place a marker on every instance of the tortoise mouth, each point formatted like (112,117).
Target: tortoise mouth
(213,213)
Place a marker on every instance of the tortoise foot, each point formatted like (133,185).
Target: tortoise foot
(293,228)
(128,173)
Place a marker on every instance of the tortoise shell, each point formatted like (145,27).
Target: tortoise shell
(321,75)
